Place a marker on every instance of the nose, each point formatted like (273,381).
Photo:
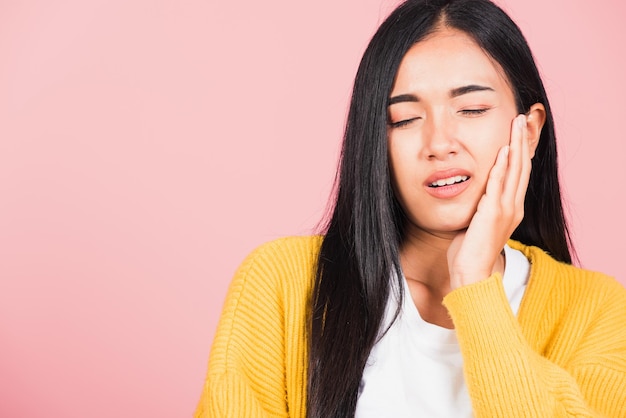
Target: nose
(439,139)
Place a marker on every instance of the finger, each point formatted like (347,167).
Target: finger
(525,173)
(497,174)
(514,172)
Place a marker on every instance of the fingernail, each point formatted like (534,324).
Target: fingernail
(521,121)
(505,150)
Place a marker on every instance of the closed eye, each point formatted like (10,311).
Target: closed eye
(402,123)
(473,112)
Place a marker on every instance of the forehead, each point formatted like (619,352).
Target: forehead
(446,59)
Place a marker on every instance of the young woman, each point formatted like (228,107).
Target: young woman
(442,285)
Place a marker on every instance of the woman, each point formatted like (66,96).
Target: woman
(442,285)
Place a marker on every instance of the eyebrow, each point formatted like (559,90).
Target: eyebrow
(455,92)
(459,91)
(402,98)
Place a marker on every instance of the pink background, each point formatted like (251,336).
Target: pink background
(147,146)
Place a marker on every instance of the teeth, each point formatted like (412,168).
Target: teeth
(448,181)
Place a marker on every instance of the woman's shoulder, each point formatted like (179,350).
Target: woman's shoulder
(289,244)
(281,260)
(289,250)
(568,279)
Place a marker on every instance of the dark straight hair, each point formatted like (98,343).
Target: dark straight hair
(359,255)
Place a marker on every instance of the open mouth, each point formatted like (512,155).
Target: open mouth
(448,181)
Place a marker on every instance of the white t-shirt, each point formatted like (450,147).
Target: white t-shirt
(416,369)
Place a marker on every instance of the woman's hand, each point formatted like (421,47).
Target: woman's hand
(474,252)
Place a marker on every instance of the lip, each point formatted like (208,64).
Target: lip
(447,192)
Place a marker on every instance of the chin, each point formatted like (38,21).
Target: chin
(450,227)
(445,220)
(453,222)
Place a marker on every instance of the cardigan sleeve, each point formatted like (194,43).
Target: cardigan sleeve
(246,372)
(506,377)
(229,395)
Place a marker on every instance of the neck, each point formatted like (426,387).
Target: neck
(424,258)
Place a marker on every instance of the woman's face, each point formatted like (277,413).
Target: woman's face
(451,110)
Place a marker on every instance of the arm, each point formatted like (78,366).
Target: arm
(246,374)
(506,377)
(229,395)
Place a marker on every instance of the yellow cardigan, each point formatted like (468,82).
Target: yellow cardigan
(564,355)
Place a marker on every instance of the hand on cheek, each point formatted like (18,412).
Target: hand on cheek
(474,252)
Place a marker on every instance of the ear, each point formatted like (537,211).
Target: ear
(535,118)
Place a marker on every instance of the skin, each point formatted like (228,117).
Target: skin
(436,130)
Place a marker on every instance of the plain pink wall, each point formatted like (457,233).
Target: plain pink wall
(147,146)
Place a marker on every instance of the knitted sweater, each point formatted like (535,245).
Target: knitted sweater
(564,355)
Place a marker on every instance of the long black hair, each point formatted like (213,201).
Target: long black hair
(360,251)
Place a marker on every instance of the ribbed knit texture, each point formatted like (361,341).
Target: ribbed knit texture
(563,356)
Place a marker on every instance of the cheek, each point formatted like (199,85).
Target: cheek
(402,168)
(395,168)
(485,139)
